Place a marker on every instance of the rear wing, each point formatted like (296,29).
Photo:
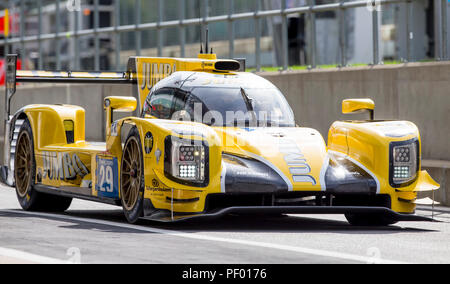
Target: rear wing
(73,77)
(14,76)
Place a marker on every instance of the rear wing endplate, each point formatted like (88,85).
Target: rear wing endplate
(10,90)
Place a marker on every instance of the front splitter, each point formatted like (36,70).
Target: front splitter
(167,216)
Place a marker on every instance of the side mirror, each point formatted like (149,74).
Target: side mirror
(358,106)
(120,104)
(117,104)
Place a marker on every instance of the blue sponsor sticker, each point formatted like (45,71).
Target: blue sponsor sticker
(107,177)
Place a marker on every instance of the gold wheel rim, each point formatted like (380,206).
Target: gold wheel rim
(130,174)
(23,164)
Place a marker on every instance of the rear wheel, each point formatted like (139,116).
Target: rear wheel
(25,174)
(369,220)
(132,181)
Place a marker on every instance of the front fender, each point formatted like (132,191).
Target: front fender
(153,134)
(370,143)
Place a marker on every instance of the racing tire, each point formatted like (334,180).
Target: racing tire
(25,175)
(369,220)
(132,181)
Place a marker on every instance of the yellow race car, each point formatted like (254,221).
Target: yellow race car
(208,140)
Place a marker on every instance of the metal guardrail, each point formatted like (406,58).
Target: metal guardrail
(231,17)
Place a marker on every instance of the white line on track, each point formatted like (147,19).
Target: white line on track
(311,251)
(16,256)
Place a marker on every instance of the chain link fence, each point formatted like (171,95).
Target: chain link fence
(98,34)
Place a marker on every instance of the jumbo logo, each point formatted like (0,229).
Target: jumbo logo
(63,166)
(152,73)
(298,165)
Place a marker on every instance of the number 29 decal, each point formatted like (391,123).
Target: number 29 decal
(106,183)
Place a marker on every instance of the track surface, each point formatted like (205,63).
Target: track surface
(96,233)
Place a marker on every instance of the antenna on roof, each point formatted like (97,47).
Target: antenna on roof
(207,40)
(205,51)
(201,30)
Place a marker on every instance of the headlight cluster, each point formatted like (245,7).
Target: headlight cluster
(190,162)
(404,162)
(186,160)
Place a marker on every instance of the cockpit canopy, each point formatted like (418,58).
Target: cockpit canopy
(242,100)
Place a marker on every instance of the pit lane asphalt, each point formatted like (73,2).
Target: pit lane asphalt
(95,233)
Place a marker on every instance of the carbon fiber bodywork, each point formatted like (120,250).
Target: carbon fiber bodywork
(345,177)
(251,176)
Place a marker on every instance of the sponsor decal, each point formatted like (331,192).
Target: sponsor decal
(296,161)
(152,73)
(158,189)
(207,64)
(114,129)
(107,177)
(148,143)
(158,154)
(224,80)
(63,166)
(395,129)
(251,174)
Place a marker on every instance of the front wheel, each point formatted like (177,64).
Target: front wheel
(369,220)
(132,182)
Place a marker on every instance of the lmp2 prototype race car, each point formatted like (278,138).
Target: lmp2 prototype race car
(206,140)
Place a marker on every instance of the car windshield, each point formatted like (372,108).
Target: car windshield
(240,107)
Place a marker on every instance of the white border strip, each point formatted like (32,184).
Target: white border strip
(359,165)
(194,236)
(323,171)
(223,175)
(24,257)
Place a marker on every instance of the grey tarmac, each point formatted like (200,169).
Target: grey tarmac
(95,233)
